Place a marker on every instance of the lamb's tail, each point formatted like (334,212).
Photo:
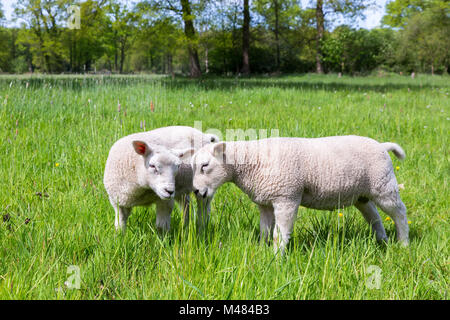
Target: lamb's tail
(395,148)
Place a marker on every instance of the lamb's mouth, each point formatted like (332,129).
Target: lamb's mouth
(165,195)
(203,195)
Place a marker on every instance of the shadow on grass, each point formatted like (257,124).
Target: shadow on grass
(377,85)
(323,230)
(143,221)
(318,230)
(300,82)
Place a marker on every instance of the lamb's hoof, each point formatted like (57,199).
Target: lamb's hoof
(120,229)
(383,240)
(162,230)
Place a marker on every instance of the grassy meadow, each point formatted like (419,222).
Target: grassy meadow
(56,132)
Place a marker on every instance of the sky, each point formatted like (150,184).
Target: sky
(373,16)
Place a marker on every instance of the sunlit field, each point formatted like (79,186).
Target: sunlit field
(56,220)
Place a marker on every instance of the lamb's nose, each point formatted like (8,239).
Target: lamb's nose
(196,191)
(170,192)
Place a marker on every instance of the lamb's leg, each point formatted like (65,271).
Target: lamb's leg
(163,211)
(203,210)
(285,213)
(122,215)
(266,222)
(395,208)
(370,213)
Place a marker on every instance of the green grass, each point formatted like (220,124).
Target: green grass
(56,132)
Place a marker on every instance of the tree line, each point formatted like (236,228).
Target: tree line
(198,37)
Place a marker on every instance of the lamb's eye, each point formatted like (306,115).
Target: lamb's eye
(202,169)
(151,166)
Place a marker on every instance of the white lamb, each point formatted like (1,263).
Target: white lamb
(279,174)
(146,168)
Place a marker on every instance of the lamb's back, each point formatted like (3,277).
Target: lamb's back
(324,170)
(177,137)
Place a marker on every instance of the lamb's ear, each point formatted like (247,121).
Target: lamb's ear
(184,154)
(219,151)
(141,148)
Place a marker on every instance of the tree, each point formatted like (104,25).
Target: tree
(399,11)
(156,45)
(5,49)
(186,11)
(4,37)
(320,22)
(224,37)
(246,39)
(424,33)
(220,36)
(87,44)
(2,15)
(191,35)
(279,16)
(42,18)
(354,51)
(325,8)
(122,30)
(427,38)
(276,29)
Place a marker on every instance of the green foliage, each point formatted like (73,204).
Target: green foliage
(155,46)
(398,12)
(2,15)
(426,40)
(43,36)
(5,55)
(357,51)
(151,36)
(86,45)
(280,39)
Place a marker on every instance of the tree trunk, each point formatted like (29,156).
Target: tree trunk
(277,31)
(122,57)
(151,62)
(115,58)
(70,53)
(169,63)
(29,58)
(13,42)
(116,55)
(71,50)
(206,60)
(246,40)
(75,56)
(320,32)
(189,31)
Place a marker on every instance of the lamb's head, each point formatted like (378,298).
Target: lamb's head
(209,167)
(161,166)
